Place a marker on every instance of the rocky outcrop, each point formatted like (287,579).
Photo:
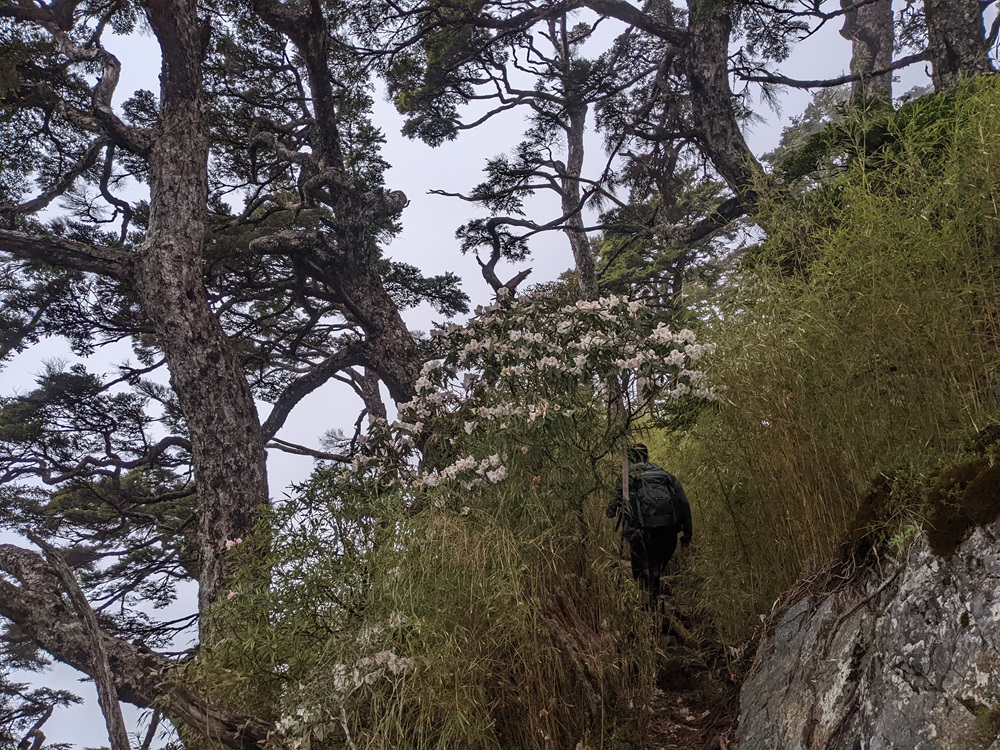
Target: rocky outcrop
(903,653)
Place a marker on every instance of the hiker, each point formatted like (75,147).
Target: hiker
(657,510)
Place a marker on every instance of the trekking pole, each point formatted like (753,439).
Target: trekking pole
(625,497)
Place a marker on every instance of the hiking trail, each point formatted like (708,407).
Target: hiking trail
(695,702)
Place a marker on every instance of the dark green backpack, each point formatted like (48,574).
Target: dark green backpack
(653,498)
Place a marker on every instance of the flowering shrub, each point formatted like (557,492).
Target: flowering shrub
(322,723)
(421,596)
(533,366)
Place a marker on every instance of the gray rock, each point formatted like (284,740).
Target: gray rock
(906,657)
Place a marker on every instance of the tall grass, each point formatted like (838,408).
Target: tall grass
(862,341)
(495,617)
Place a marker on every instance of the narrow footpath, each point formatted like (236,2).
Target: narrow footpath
(694,706)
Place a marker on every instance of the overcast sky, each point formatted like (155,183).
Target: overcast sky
(428,242)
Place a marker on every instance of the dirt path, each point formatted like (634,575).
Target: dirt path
(678,721)
(693,706)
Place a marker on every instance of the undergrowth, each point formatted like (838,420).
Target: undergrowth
(860,344)
(489,618)
(461,585)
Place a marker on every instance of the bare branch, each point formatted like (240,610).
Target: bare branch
(16,336)
(306,384)
(101,118)
(368,389)
(68,254)
(154,723)
(511,286)
(110,465)
(725,213)
(118,203)
(34,738)
(488,269)
(830,82)
(285,241)
(631,15)
(62,184)
(301,450)
(107,697)
(813,11)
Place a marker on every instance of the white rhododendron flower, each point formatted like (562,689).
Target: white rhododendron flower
(528,364)
(675,358)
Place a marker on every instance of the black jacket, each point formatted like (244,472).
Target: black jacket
(622,510)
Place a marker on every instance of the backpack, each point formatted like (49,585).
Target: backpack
(653,498)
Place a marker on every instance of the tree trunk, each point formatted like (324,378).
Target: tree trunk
(372,396)
(713,116)
(345,257)
(583,253)
(389,349)
(956,40)
(871,33)
(227,445)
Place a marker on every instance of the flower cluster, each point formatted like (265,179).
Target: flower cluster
(299,728)
(534,339)
(469,471)
(532,364)
(346,678)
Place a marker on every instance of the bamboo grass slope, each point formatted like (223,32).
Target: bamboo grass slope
(859,356)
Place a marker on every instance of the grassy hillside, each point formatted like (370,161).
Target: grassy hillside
(858,352)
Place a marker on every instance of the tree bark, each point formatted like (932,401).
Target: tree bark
(869,28)
(65,253)
(371,395)
(227,444)
(388,349)
(713,116)
(572,208)
(107,696)
(956,40)
(345,257)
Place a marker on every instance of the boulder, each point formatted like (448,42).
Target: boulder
(897,653)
